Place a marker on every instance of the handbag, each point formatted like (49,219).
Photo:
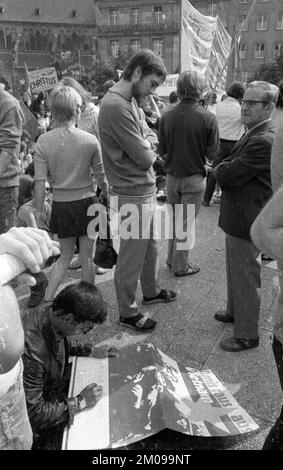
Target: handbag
(105,255)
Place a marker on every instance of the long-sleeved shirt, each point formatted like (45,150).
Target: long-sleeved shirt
(71,155)
(127,152)
(188,134)
(11,127)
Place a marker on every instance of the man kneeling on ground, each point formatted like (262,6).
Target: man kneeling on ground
(74,311)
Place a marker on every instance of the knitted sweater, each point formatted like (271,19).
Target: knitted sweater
(11,127)
(126,149)
(71,155)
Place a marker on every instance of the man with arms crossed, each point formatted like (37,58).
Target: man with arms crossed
(128,157)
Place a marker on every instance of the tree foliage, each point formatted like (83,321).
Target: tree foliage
(271,72)
(93,78)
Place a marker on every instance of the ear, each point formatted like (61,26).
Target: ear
(137,74)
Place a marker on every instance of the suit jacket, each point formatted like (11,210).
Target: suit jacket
(245,180)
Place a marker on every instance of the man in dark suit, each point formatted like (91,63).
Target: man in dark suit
(245,181)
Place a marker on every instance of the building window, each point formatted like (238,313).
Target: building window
(158,47)
(276,50)
(244,1)
(157,14)
(261,22)
(280,21)
(114,15)
(259,51)
(135,14)
(135,44)
(242,51)
(114,48)
(241,21)
(263,1)
(2,40)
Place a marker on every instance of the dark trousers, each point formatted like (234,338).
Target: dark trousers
(224,151)
(274,440)
(243,267)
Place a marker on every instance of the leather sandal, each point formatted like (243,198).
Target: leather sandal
(163,296)
(139,322)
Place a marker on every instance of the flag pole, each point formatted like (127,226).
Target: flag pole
(234,44)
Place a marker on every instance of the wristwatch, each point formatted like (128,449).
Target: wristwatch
(81,402)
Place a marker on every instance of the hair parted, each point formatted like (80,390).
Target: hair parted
(70,81)
(190,84)
(63,103)
(236,90)
(271,91)
(83,300)
(148,62)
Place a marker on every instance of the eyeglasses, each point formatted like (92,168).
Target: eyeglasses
(251,103)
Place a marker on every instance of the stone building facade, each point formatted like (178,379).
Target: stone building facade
(34,32)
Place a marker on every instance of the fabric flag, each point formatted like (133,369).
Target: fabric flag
(205,46)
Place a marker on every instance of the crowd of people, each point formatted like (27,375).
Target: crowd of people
(129,149)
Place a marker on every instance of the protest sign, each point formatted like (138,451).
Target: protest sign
(147,394)
(170,84)
(42,79)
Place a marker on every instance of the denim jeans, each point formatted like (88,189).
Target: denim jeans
(15,430)
(8,207)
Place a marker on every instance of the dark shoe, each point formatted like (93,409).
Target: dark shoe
(274,439)
(38,291)
(163,296)
(139,323)
(205,204)
(190,269)
(238,344)
(51,260)
(223,316)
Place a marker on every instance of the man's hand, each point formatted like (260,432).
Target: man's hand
(103,351)
(32,246)
(89,396)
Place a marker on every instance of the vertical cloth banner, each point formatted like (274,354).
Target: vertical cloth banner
(205,46)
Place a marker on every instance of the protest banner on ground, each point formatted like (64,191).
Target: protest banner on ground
(147,394)
(42,79)
(205,46)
